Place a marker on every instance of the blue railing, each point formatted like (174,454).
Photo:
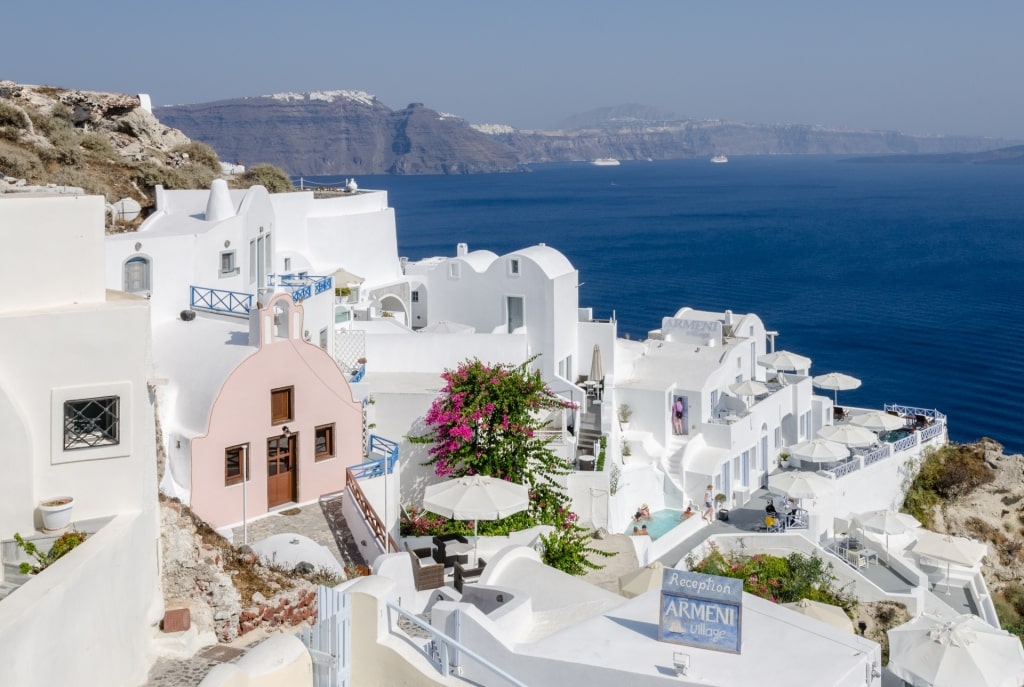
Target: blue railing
(358,375)
(386,448)
(219,300)
(302,285)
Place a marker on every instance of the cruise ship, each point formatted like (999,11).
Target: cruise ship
(605,162)
(719,159)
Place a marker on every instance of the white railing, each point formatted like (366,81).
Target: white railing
(845,469)
(445,652)
(931,432)
(878,454)
(910,410)
(905,443)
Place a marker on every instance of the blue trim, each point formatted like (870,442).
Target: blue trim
(220,300)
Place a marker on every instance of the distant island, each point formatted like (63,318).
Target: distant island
(1012,155)
(351,132)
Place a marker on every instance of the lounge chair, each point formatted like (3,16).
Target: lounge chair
(425,572)
(464,575)
(442,556)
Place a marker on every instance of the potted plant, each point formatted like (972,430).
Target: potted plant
(625,413)
(723,513)
(56,513)
(784,459)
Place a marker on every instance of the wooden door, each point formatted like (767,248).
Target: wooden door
(280,470)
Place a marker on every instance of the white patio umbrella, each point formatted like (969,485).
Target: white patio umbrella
(886,522)
(877,421)
(476,498)
(643,580)
(937,652)
(948,548)
(826,613)
(749,387)
(836,382)
(784,360)
(799,485)
(819,451)
(848,434)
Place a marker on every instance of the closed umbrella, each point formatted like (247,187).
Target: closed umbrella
(886,522)
(848,434)
(826,613)
(877,421)
(800,485)
(784,360)
(596,369)
(946,547)
(836,382)
(936,652)
(819,451)
(476,498)
(643,580)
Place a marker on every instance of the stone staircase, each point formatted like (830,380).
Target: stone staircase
(589,431)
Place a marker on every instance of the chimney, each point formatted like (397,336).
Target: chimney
(461,249)
(219,206)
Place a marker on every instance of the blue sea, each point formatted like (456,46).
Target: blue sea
(909,276)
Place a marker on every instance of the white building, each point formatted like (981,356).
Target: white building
(76,411)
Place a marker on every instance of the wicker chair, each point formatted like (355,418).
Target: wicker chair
(464,575)
(441,556)
(425,573)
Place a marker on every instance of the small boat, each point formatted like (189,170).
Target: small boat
(719,159)
(605,162)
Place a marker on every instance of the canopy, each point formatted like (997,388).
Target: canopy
(799,485)
(886,522)
(448,327)
(784,360)
(848,434)
(935,652)
(819,451)
(826,613)
(643,580)
(877,421)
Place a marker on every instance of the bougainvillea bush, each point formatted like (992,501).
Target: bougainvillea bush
(487,421)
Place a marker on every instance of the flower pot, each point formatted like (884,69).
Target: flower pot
(56,513)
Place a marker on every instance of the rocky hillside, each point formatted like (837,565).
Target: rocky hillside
(109,144)
(351,132)
(341,132)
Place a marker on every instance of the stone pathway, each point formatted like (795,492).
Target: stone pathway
(189,672)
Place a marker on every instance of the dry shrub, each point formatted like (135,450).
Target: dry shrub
(200,154)
(18,162)
(267,176)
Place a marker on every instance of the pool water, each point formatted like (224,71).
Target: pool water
(661,522)
(894,436)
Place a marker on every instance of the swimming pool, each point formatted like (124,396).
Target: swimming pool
(661,522)
(894,436)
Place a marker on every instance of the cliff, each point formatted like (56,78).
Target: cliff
(351,132)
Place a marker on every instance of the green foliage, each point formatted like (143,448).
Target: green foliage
(61,546)
(625,412)
(151,174)
(613,480)
(200,154)
(946,474)
(267,176)
(420,523)
(601,453)
(782,580)
(19,163)
(11,116)
(97,146)
(567,549)
(486,422)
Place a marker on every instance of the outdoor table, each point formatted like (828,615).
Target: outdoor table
(463,551)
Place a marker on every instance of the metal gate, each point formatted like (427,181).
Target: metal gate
(329,640)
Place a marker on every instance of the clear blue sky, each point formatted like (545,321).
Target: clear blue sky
(925,67)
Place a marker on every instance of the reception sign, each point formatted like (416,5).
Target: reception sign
(701,610)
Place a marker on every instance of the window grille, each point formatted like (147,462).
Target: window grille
(92,422)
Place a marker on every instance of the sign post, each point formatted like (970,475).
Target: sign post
(700,610)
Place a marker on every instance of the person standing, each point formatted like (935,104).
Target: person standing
(677,416)
(709,504)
